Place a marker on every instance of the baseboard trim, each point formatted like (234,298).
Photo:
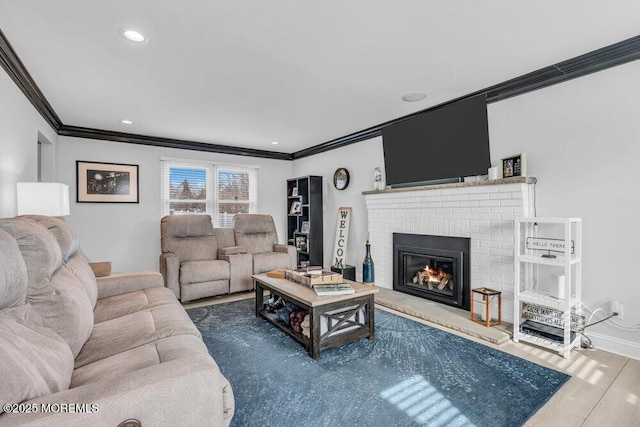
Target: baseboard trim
(619,346)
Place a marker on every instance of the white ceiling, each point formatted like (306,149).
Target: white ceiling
(245,73)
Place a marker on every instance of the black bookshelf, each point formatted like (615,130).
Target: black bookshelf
(304,206)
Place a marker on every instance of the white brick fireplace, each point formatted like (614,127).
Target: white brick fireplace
(483,211)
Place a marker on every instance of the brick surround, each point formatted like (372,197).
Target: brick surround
(483,211)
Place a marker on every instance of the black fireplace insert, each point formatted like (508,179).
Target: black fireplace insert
(432,267)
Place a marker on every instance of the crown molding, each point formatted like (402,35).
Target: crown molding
(129,138)
(591,62)
(14,67)
(579,66)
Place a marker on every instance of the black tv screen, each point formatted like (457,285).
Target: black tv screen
(438,145)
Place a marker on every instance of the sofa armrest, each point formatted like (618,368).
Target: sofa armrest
(291,250)
(180,392)
(231,250)
(101,269)
(122,283)
(170,270)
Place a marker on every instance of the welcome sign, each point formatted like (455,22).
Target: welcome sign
(342,235)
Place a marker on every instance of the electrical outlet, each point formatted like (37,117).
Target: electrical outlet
(617,307)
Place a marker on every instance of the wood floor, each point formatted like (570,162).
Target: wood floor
(604,389)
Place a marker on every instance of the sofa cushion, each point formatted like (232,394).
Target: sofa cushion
(65,307)
(38,247)
(70,250)
(203,271)
(270,261)
(35,360)
(120,305)
(62,231)
(157,352)
(13,272)
(125,333)
(84,273)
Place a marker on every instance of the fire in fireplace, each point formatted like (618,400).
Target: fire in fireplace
(432,267)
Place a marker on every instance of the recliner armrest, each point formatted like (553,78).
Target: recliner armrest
(231,250)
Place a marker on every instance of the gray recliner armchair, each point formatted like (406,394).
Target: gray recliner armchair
(257,233)
(192,263)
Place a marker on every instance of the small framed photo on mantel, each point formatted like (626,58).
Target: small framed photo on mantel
(514,166)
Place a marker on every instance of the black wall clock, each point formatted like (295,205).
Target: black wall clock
(341,178)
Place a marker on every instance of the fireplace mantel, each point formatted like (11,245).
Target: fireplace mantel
(483,211)
(516,180)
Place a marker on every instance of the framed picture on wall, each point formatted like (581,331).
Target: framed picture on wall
(99,182)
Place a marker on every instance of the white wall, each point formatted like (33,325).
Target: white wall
(20,124)
(582,140)
(360,159)
(128,235)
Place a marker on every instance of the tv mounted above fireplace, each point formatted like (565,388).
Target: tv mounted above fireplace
(443,144)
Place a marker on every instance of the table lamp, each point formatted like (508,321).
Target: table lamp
(43,198)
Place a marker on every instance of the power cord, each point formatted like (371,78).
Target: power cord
(585,341)
(601,320)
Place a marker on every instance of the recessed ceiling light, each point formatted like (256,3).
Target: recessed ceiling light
(134,35)
(275,142)
(414,96)
(126,122)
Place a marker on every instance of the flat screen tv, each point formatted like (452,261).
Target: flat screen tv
(444,144)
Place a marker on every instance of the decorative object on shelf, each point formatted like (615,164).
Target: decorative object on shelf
(493,173)
(99,182)
(549,245)
(342,234)
(301,243)
(488,296)
(348,271)
(552,317)
(304,228)
(341,178)
(294,192)
(367,264)
(514,166)
(296,207)
(377,179)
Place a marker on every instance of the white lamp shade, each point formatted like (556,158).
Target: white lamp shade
(43,198)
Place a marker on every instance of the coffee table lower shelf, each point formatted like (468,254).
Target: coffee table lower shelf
(333,321)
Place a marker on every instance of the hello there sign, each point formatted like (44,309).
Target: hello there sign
(545,244)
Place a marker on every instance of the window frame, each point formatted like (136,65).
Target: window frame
(212,201)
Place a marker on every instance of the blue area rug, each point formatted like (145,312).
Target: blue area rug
(411,374)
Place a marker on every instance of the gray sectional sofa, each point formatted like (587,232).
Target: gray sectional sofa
(76,350)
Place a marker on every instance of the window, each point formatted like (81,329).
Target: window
(202,188)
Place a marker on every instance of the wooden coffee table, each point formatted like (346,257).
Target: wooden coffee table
(334,320)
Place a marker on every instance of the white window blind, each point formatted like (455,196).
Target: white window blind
(218,190)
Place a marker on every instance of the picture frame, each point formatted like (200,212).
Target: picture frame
(514,166)
(296,207)
(100,182)
(294,192)
(301,243)
(305,227)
